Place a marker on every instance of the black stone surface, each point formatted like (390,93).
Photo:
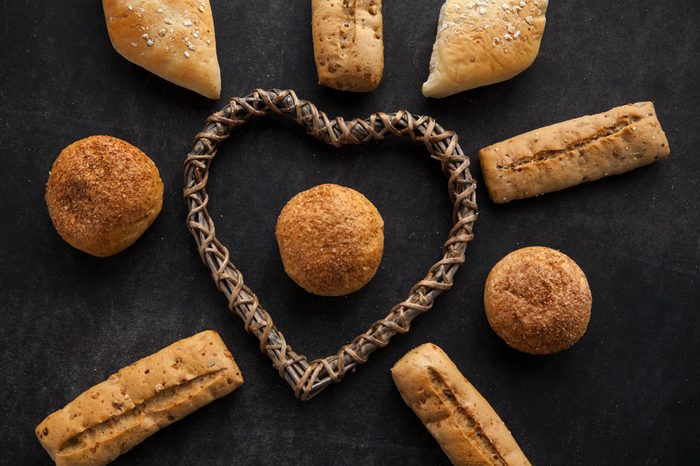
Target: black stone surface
(628,393)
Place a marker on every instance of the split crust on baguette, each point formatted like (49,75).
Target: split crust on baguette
(573,152)
(467,428)
(112,417)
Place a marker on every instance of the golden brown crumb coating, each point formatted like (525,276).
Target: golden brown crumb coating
(538,300)
(331,240)
(102,194)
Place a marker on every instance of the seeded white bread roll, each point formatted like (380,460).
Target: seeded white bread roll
(171,38)
(483,42)
(573,152)
(112,417)
(348,43)
(467,428)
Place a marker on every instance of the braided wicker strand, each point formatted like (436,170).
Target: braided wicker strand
(309,378)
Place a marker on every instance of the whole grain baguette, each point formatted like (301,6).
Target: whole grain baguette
(573,152)
(348,43)
(112,417)
(467,428)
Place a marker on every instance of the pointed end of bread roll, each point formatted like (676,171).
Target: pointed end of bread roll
(172,39)
(483,43)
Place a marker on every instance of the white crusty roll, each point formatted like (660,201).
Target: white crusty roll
(171,38)
(112,417)
(348,43)
(467,428)
(483,42)
(573,152)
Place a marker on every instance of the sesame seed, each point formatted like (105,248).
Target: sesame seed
(187,23)
(187,54)
(161,32)
(168,21)
(134,44)
(482,10)
(529,20)
(149,42)
(160,10)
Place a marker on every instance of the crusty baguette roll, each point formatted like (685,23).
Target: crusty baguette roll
(171,38)
(467,428)
(573,152)
(112,417)
(102,194)
(348,43)
(483,42)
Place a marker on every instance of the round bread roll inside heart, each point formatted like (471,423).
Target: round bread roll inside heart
(331,239)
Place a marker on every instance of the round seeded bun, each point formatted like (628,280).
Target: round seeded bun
(331,240)
(102,194)
(538,300)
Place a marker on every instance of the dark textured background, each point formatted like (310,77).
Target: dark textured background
(628,393)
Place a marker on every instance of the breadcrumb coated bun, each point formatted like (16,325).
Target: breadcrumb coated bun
(102,194)
(538,300)
(331,240)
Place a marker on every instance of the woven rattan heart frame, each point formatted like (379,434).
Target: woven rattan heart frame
(309,378)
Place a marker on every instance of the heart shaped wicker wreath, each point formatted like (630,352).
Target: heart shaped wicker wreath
(309,378)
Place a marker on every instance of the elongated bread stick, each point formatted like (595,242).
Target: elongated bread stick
(573,152)
(461,420)
(112,417)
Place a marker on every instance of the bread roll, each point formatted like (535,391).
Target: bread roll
(331,240)
(173,39)
(348,43)
(483,42)
(102,194)
(467,428)
(573,152)
(537,300)
(112,417)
